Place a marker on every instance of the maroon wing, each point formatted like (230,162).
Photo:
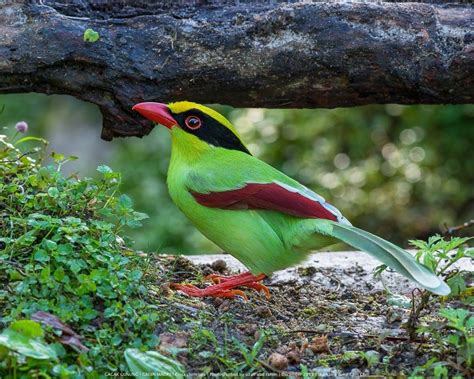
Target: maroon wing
(269,196)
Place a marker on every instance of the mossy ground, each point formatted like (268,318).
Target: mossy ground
(316,329)
(64,252)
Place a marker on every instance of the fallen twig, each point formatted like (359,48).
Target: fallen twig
(450,230)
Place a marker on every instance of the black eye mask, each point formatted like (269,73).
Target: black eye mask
(210,130)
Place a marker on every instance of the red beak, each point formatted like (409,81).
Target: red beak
(156,112)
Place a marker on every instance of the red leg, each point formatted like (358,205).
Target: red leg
(253,281)
(225,286)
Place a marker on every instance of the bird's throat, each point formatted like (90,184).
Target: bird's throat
(186,147)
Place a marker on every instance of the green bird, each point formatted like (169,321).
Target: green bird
(262,217)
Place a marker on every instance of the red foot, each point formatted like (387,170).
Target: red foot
(225,286)
(252,281)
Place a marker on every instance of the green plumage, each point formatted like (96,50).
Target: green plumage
(265,240)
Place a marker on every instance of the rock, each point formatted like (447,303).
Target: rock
(387,348)
(305,301)
(293,345)
(165,289)
(278,361)
(367,307)
(322,328)
(219,265)
(394,315)
(293,357)
(308,353)
(207,271)
(355,373)
(183,264)
(170,341)
(188,309)
(319,345)
(352,307)
(263,311)
(225,306)
(248,328)
(307,271)
(217,301)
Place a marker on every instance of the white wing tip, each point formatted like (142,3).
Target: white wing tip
(442,290)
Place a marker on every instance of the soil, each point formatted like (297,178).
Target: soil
(325,320)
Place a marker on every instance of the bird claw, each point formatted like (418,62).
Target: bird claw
(217,279)
(259,287)
(224,286)
(192,290)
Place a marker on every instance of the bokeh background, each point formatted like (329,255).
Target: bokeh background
(402,172)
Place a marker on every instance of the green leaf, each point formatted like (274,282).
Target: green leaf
(453,339)
(372,357)
(50,245)
(456,317)
(456,242)
(59,274)
(457,284)
(422,245)
(440,371)
(65,249)
(429,261)
(304,371)
(53,192)
(45,274)
(90,35)
(116,340)
(104,169)
(15,275)
(378,270)
(136,275)
(206,354)
(25,338)
(138,216)
(28,328)
(30,138)
(57,157)
(125,201)
(258,345)
(154,364)
(41,256)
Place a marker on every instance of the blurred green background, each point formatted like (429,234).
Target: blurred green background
(401,172)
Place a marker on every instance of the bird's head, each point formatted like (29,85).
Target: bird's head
(194,119)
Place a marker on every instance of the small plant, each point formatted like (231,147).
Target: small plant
(452,334)
(439,255)
(63,250)
(153,365)
(24,341)
(250,355)
(370,358)
(90,35)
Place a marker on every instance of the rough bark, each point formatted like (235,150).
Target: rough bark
(321,54)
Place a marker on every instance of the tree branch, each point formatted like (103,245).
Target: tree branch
(320,54)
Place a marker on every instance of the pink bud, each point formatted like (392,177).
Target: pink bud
(21,127)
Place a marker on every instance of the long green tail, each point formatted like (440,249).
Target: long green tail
(389,254)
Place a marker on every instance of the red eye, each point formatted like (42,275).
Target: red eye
(193,122)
